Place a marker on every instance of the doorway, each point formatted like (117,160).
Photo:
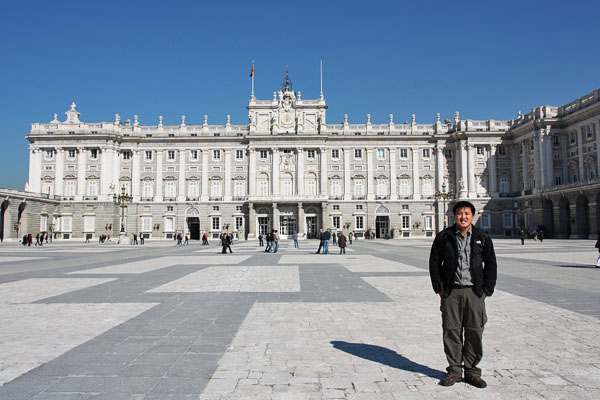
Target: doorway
(193,224)
(263,225)
(382,227)
(311,227)
(287,224)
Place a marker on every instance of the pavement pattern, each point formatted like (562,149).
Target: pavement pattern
(160,321)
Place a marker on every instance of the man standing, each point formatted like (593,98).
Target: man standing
(462,266)
(320,241)
(276,241)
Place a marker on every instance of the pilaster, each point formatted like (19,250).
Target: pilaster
(580,151)
(416,178)
(471,171)
(204,193)
(81,166)
(251,222)
(227,175)
(59,171)
(181,180)
(300,172)
(135,175)
(493,171)
(276,217)
(393,185)
(275,173)
(301,221)
(439,170)
(252,173)
(323,179)
(159,176)
(525,161)
(537,161)
(370,175)
(347,187)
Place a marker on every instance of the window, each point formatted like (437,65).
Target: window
(427,187)
(287,187)
(406,222)
(92,188)
(169,224)
(448,153)
(170,189)
(43,223)
(381,188)
(215,188)
(572,137)
(94,154)
(148,189)
(381,154)
(336,207)
(126,155)
(335,154)
(558,180)
(71,154)
(216,155)
(146,224)
(148,155)
(193,155)
(263,188)
(335,221)
(310,154)
(504,184)
(89,223)
(216,223)
(47,188)
(238,189)
(359,222)
(193,189)
(359,187)
(239,223)
(480,150)
(311,187)
(216,208)
(171,155)
(67,223)
(262,154)
(69,188)
(426,153)
(336,188)
(404,154)
(358,153)
(49,155)
(501,150)
(359,207)
(556,140)
(485,221)
(482,186)
(508,220)
(405,206)
(428,221)
(239,155)
(588,131)
(404,187)
(238,208)
(169,208)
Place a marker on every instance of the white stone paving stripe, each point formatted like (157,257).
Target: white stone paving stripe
(354,263)
(565,257)
(34,334)
(34,289)
(8,259)
(277,278)
(139,267)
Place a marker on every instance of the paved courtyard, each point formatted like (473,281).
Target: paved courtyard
(91,321)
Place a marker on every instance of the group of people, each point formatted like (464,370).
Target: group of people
(272,239)
(226,242)
(134,239)
(39,239)
(535,235)
(181,239)
(338,239)
(103,238)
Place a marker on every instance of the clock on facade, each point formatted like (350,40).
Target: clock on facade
(287,118)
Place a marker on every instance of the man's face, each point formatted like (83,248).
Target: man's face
(463,218)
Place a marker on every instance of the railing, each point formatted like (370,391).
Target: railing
(192,198)
(215,198)
(146,198)
(90,197)
(336,197)
(363,197)
(382,197)
(170,198)
(404,196)
(67,198)
(238,198)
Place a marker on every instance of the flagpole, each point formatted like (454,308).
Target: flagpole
(321,78)
(252,94)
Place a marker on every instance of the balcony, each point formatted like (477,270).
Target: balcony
(215,198)
(336,197)
(404,196)
(192,198)
(238,198)
(146,198)
(382,197)
(90,198)
(67,198)
(362,197)
(170,198)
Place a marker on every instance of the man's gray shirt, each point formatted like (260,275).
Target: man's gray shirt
(463,271)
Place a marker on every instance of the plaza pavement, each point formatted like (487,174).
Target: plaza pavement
(92,321)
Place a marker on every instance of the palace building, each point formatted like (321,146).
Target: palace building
(288,169)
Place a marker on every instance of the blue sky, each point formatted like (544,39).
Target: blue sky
(151,58)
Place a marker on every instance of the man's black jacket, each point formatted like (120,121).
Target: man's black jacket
(443,261)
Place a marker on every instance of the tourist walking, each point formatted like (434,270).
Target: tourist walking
(261,242)
(187,239)
(463,270)
(295,237)
(320,241)
(269,239)
(37,239)
(522,235)
(334,238)
(326,238)
(276,240)
(350,237)
(141,238)
(342,243)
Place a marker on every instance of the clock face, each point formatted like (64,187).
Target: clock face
(287,118)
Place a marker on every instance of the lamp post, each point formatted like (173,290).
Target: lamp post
(120,201)
(443,194)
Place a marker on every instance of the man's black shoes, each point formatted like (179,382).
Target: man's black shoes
(475,381)
(450,380)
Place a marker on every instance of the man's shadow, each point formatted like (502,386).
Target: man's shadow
(387,357)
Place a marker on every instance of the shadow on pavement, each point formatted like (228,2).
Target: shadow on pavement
(387,357)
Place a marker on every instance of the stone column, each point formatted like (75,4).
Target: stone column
(300,172)
(393,183)
(251,222)
(181,180)
(525,161)
(275,174)
(35,169)
(301,221)
(135,176)
(464,176)
(439,169)
(370,175)
(564,159)
(324,215)
(537,161)
(227,175)
(514,169)
(416,178)
(493,171)
(252,173)
(159,176)
(458,169)
(276,217)
(323,159)
(81,165)
(116,169)
(347,186)
(204,191)
(60,171)
(471,170)
(548,154)
(106,164)
(580,151)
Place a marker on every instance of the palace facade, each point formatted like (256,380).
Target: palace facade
(288,169)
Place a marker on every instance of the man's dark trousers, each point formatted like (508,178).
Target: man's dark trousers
(463,308)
